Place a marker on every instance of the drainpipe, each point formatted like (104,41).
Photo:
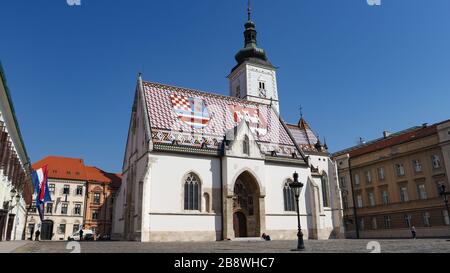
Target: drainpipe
(353,198)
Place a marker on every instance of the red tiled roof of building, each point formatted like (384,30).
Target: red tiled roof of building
(98,175)
(74,169)
(63,167)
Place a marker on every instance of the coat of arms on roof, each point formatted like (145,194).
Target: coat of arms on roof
(256,121)
(192,111)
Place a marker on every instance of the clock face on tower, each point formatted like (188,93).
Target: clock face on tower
(262,93)
(262,89)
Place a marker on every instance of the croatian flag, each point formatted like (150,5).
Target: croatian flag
(40,183)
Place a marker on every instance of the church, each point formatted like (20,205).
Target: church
(200,166)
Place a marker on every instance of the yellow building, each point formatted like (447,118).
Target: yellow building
(391,184)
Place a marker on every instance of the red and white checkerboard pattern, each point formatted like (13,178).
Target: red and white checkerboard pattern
(161,99)
(180,102)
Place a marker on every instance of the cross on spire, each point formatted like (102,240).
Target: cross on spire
(249,10)
(301,111)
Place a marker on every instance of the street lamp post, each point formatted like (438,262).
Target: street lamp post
(297,187)
(444,194)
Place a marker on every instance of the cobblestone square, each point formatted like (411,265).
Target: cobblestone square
(330,246)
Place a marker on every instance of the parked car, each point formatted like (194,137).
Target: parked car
(88,235)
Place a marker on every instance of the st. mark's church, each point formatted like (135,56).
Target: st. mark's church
(200,166)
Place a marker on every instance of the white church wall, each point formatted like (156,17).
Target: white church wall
(166,198)
(134,170)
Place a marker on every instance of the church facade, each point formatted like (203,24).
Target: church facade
(202,167)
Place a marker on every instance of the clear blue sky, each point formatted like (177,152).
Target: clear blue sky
(357,70)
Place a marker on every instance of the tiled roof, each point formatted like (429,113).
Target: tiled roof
(63,167)
(192,117)
(304,135)
(98,175)
(410,134)
(74,169)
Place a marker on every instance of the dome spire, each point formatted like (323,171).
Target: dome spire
(251,52)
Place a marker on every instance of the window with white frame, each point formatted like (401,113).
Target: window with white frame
(96,199)
(385,197)
(64,208)
(368,177)
(359,201)
(381,174)
(51,188)
(356,179)
(421,191)
(66,189)
(404,194)
(417,166)
(436,161)
(371,197)
(426,219)
(79,191)
(77,209)
(399,169)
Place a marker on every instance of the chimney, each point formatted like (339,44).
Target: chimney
(386,134)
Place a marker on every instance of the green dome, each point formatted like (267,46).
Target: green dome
(251,51)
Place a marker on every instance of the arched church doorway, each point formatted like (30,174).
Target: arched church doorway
(47,230)
(246,214)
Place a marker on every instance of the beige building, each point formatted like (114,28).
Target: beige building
(82,196)
(391,184)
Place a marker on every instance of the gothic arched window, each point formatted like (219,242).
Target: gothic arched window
(325,191)
(246,146)
(289,197)
(192,191)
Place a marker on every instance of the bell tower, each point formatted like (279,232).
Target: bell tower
(254,77)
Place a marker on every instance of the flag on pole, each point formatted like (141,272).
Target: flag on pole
(40,183)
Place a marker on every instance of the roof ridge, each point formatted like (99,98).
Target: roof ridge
(207,93)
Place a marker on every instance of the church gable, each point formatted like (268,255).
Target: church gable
(138,135)
(191,119)
(243,143)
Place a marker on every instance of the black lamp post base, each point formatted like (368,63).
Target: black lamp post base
(298,250)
